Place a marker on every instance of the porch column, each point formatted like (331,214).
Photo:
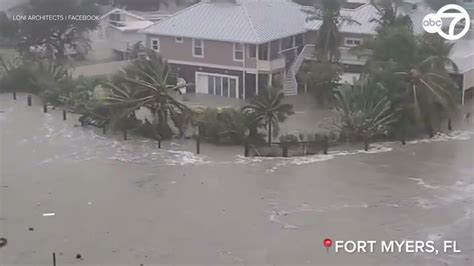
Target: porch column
(256,71)
(243,72)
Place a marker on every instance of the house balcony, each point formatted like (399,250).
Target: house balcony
(271,65)
(349,57)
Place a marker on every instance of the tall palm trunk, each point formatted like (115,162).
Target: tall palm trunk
(269,133)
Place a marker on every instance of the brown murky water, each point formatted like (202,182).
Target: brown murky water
(128,203)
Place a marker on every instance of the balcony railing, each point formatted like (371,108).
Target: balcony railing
(271,65)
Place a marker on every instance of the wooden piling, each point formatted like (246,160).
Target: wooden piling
(125,134)
(285,150)
(54,259)
(64,115)
(450,125)
(45,108)
(14,95)
(325,145)
(246,149)
(29,100)
(198,141)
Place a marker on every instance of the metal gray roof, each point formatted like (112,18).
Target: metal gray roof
(367,15)
(246,21)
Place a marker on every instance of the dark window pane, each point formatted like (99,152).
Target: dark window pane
(225,87)
(210,88)
(218,86)
(263,52)
(233,88)
(252,51)
(239,55)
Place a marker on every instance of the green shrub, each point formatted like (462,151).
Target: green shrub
(226,126)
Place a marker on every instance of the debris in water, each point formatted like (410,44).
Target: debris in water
(173,182)
(89,203)
(79,256)
(48,214)
(31,229)
(3,242)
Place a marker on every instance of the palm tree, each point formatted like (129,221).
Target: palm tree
(268,109)
(430,90)
(329,38)
(365,111)
(146,83)
(389,15)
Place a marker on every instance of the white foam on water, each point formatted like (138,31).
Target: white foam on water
(276,212)
(454,135)
(421,182)
(185,158)
(302,160)
(274,219)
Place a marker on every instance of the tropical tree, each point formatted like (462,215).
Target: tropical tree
(52,38)
(365,111)
(51,80)
(268,109)
(414,71)
(227,125)
(329,38)
(148,83)
(322,78)
(388,14)
(432,91)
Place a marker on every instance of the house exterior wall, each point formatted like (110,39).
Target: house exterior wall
(100,47)
(215,52)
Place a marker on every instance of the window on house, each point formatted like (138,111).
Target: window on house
(218,82)
(115,17)
(287,43)
(198,48)
(100,33)
(299,40)
(155,45)
(179,39)
(351,42)
(252,51)
(263,51)
(233,88)
(238,51)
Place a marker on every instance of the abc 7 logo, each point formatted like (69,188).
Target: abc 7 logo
(433,23)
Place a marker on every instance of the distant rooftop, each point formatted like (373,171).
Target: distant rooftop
(366,17)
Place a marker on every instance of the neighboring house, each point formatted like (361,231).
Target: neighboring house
(116,33)
(118,29)
(232,48)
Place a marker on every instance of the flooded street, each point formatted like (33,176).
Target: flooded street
(121,202)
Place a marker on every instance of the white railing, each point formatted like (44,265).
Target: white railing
(307,51)
(278,63)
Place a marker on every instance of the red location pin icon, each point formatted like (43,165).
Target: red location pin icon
(327,243)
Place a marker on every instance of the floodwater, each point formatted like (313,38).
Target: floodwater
(121,202)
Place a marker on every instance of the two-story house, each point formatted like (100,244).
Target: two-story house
(116,32)
(232,48)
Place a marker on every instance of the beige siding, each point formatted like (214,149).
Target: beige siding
(215,52)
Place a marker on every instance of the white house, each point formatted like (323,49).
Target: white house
(117,31)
